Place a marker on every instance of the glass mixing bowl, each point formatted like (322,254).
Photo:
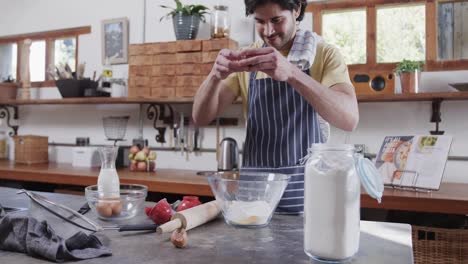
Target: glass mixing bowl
(248,199)
(132,199)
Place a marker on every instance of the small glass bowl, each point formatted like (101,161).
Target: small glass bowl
(248,199)
(132,198)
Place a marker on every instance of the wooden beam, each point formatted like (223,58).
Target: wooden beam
(446,65)
(350,4)
(317,18)
(60,33)
(431,34)
(371,44)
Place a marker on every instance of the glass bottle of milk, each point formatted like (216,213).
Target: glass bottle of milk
(331,203)
(108,180)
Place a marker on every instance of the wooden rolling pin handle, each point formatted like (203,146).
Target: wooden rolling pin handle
(191,217)
(198,215)
(169,226)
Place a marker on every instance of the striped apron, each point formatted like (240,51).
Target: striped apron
(281,126)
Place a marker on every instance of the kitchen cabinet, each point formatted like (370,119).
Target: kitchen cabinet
(216,242)
(172,69)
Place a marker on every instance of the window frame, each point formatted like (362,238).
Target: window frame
(49,37)
(431,63)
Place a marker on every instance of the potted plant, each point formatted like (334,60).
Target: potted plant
(186,19)
(410,74)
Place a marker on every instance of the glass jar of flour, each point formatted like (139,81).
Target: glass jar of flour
(333,176)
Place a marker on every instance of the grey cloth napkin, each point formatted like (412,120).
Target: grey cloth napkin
(38,239)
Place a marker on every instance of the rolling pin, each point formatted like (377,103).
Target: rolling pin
(191,217)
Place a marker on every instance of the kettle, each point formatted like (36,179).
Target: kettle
(228,159)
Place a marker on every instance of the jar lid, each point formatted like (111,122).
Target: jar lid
(370,178)
(221,7)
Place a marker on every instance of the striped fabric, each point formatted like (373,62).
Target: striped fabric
(281,126)
(302,53)
(292,201)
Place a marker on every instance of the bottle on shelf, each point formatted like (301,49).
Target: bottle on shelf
(3,145)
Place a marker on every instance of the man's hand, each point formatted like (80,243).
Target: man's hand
(226,63)
(267,60)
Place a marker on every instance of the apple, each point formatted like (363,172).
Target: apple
(133,165)
(140,156)
(152,165)
(152,156)
(146,150)
(141,166)
(134,149)
(161,212)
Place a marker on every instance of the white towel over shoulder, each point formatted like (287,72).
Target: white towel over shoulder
(303,50)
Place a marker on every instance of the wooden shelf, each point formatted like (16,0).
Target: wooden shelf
(413,97)
(108,100)
(97,100)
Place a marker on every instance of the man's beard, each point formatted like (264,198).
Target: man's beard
(283,40)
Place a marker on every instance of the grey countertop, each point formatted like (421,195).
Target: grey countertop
(217,242)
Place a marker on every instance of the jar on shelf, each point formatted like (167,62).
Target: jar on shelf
(220,22)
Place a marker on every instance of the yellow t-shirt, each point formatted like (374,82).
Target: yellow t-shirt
(329,68)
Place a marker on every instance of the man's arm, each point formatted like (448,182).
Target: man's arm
(211,99)
(337,104)
(214,95)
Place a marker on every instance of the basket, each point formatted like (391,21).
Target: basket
(440,245)
(115,127)
(8,90)
(31,149)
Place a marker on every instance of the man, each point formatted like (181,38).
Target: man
(281,101)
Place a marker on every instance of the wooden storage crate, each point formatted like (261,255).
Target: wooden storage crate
(31,149)
(168,69)
(439,245)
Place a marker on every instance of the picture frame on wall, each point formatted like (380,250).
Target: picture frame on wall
(114,40)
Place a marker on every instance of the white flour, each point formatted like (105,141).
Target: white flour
(108,183)
(331,213)
(249,213)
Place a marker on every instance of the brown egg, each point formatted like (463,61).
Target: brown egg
(104,209)
(116,208)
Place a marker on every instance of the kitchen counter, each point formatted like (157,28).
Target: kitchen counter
(217,242)
(163,180)
(452,198)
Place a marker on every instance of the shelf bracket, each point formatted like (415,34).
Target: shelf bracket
(436,117)
(6,114)
(157,112)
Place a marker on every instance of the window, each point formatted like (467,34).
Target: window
(430,31)
(37,61)
(65,52)
(8,55)
(345,30)
(48,49)
(452,30)
(401,33)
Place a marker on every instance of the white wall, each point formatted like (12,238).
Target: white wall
(62,123)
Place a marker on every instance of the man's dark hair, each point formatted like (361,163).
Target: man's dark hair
(251,5)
